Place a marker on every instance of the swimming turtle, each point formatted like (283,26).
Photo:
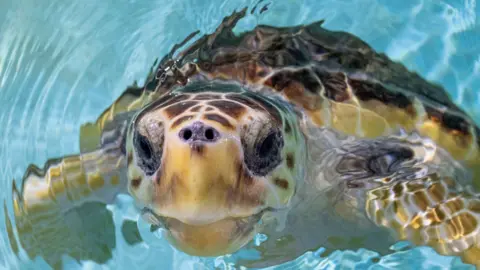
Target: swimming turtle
(305,135)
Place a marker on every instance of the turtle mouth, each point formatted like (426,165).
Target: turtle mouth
(217,238)
(163,222)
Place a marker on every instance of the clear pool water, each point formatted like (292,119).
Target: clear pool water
(63,62)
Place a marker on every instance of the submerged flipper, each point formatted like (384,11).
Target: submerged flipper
(415,190)
(433,210)
(60,210)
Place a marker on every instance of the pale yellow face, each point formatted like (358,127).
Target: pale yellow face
(209,163)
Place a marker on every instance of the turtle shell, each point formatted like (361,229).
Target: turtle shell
(334,78)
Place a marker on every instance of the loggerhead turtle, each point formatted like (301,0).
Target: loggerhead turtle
(303,134)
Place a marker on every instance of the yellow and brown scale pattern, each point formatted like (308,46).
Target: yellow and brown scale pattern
(434,211)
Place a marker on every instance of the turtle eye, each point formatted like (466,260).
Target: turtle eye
(148,155)
(268,145)
(144,147)
(264,153)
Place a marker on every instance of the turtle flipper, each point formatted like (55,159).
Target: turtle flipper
(433,210)
(61,210)
(413,189)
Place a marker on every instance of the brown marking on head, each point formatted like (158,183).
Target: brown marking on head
(258,105)
(196,108)
(180,120)
(219,119)
(281,183)
(136,182)
(230,108)
(290,161)
(246,101)
(178,108)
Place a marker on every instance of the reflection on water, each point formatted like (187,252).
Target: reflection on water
(56,79)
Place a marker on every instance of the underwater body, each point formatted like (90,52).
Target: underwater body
(305,135)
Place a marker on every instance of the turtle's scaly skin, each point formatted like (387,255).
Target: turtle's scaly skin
(333,79)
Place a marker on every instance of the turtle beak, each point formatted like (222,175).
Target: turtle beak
(214,239)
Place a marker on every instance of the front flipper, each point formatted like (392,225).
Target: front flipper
(434,210)
(60,210)
(414,189)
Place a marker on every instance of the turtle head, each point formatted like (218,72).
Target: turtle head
(209,159)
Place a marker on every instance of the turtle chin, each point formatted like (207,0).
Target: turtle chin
(214,239)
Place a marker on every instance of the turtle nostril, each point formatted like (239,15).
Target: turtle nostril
(209,134)
(187,134)
(199,132)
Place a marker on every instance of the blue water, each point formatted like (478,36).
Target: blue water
(63,62)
